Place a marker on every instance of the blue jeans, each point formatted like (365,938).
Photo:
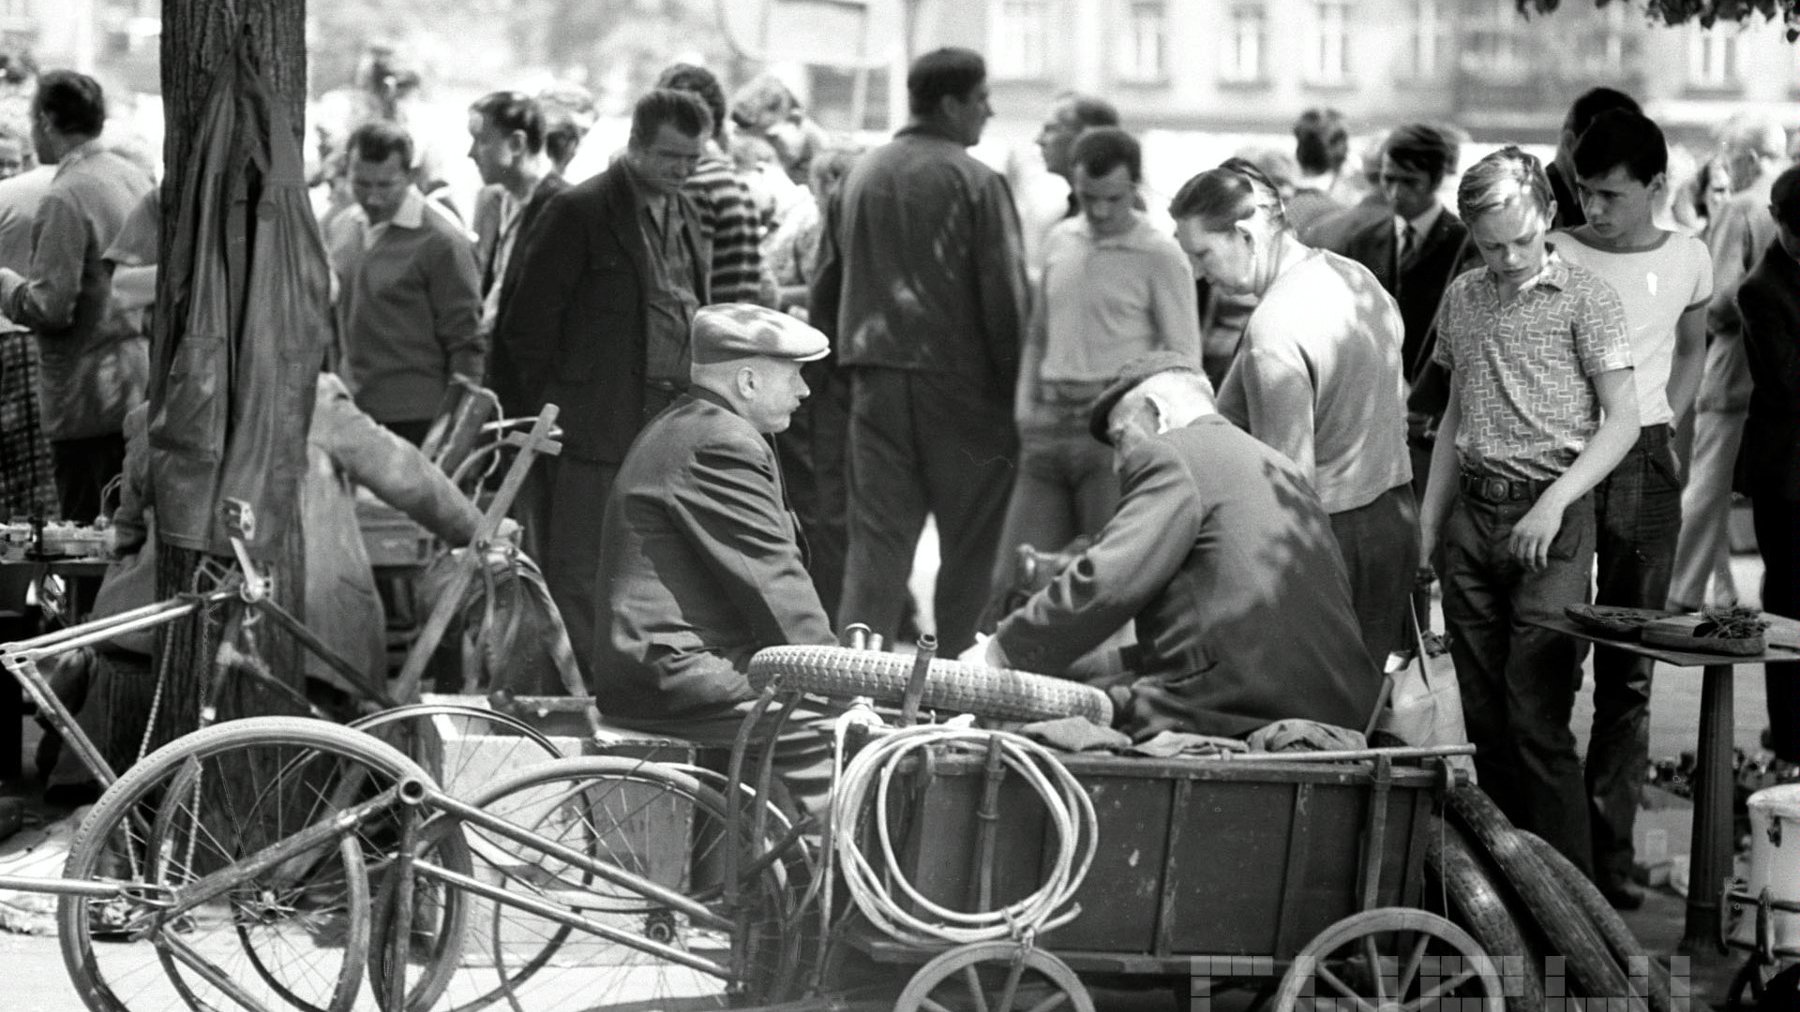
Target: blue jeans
(1638,517)
(1518,680)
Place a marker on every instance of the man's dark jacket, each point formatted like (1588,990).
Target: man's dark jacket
(574,322)
(1443,253)
(1768,300)
(1225,558)
(700,566)
(503,375)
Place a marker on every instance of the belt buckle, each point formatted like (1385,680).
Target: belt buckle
(1496,489)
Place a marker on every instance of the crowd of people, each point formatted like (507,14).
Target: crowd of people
(1252,436)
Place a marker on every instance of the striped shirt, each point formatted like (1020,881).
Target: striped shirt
(731,228)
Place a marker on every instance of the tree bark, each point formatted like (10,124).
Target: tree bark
(198,38)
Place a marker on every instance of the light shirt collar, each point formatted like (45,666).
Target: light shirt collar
(1554,276)
(412,209)
(1129,238)
(1422,225)
(80,152)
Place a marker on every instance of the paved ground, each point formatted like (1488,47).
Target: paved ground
(35,979)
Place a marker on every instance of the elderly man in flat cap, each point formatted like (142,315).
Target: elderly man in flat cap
(1222,554)
(700,562)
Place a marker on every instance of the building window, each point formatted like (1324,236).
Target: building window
(1712,58)
(1492,44)
(1603,51)
(1329,53)
(1141,41)
(1021,38)
(1426,47)
(1242,60)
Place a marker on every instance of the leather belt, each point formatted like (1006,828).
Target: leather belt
(1491,488)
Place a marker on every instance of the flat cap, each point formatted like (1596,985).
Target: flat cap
(732,330)
(1130,375)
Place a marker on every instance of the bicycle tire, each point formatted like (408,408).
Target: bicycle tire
(1480,906)
(602,800)
(1626,950)
(996,693)
(1564,925)
(140,802)
(398,726)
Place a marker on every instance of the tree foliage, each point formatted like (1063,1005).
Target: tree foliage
(1703,12)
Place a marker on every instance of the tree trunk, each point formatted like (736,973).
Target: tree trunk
(198,38)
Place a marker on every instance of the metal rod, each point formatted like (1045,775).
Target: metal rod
(322,650)
(402,925)
(552,912)
(610,872)
(987,817)
(915,684)
(112,625)
(178,948)
(1345,755)
(93,889)
(209,887)
(50,707)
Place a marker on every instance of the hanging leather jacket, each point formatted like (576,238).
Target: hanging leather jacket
(247,321)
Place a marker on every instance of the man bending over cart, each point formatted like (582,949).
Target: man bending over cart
(1224,557)
(700,559)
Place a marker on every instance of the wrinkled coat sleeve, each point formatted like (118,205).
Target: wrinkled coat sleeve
(389,466)
(45,300)
(728,505)
(551,260)
(1000,280)
(1131,560)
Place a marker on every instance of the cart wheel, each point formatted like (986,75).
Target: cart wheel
(1391,959)
(842,673)
(1014,976)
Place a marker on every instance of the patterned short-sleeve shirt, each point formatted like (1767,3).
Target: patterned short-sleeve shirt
(1523,370)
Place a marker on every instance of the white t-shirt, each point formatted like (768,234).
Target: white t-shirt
(1657,283)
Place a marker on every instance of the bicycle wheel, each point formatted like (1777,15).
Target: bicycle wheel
(293,935)
(488,743)
(655,822)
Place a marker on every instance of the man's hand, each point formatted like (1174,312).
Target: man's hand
(984,651)
(1532,535)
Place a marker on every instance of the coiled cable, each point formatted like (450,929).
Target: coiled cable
(869,777)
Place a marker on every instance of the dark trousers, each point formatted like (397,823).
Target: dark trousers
(812,454)
(1066,487)
(1518,680)
(578,492)
(1637,513)
(802,750)
(923,443)
(1778,539)
(83,468)
(1379,543)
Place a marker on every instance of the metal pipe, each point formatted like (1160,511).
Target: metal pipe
(51,708)
(93,889)
(322,650)
(209,887)
(552,912)
(695,912)
(1346,755)
(915,684)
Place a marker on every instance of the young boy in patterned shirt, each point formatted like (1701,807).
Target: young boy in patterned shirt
(1541,409)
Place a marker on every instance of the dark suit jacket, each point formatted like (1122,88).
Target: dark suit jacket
(503,372)
(575,318)
(1224,556)
(1768,301)
(700,566)
(1444,253)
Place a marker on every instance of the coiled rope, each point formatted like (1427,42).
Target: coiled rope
(872,771)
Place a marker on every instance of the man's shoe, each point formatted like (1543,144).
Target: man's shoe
(1623,895)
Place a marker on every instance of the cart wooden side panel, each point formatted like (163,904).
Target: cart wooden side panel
(1195,857)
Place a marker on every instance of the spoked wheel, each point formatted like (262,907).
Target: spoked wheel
(491,743)
(291,936)
(1391,959)
(650,820)
(995,977)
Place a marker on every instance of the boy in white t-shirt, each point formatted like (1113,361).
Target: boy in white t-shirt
(1664,280)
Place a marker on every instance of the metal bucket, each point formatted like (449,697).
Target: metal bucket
(1775,867)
